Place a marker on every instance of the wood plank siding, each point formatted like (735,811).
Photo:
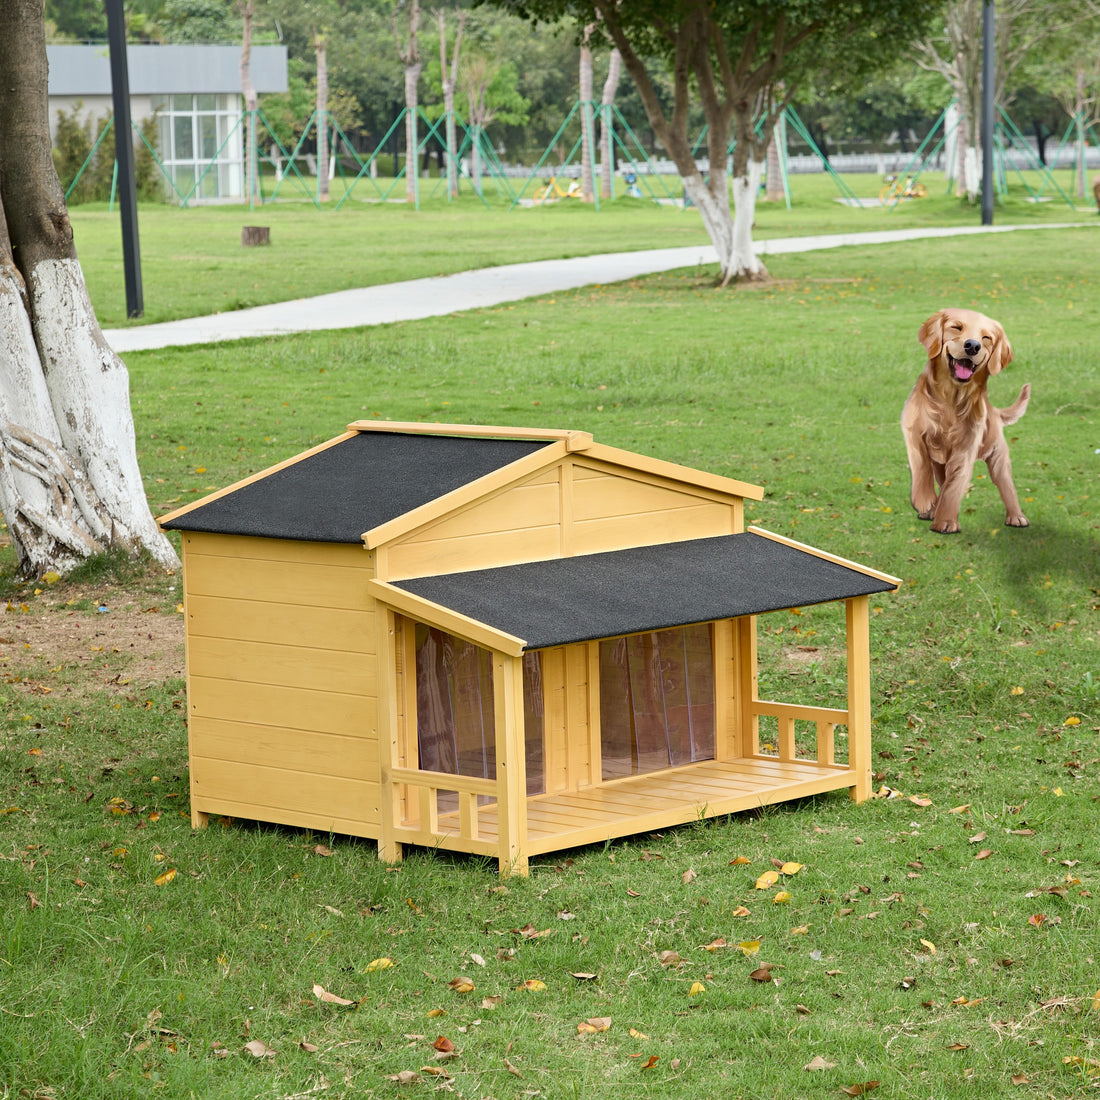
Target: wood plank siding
(282,682)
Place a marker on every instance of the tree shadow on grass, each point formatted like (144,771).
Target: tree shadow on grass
(1035,560)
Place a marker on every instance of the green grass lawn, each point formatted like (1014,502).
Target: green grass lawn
(193,263)
(942,942)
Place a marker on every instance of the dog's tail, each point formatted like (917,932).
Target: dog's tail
(1018,407)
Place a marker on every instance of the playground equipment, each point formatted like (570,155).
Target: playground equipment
(632,171)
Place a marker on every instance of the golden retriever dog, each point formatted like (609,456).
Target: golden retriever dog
(949,423)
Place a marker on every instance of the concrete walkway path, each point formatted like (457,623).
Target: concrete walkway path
(433,297)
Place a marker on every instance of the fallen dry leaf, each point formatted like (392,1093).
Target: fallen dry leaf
(767,879)
(762,973)
(461,985)
(739,861)
(322,850)
(817,1063)
(582,975)
(594,1025)
(323,994)
(379,964)
(443,1045)
(259,1049)
(1019,1078)
(511,1069)
(782,898)
(532,985)
(405,1077)
(985,853)
(688,876)
(696,989)
(859,1090)
(669,958)
(790,868)
(741,911)
(163,880)
(653,1060)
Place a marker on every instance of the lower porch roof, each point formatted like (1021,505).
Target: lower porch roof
(645,588)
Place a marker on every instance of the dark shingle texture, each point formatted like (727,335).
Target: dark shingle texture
(549,603)
(339,493)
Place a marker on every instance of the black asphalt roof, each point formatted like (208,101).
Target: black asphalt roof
(338,493)
(549,603)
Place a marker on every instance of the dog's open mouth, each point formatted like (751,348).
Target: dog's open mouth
(961,369)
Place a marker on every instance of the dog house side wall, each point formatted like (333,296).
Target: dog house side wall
(282,690)
(579,505)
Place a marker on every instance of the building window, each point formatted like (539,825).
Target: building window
(656,700)
(455,725)
(201,144)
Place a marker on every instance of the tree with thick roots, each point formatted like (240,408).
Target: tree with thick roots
(69,480)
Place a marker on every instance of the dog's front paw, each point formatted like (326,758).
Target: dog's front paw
(1018,520)
(946,527)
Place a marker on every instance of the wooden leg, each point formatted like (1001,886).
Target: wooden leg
(199,819)
(859,696)
(390,851)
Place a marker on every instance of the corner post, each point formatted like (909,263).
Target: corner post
(859,695)
(389,849)
(511,765)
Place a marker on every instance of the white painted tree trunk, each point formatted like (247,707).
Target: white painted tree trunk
(744,262)
(972,172)
(89,390)
(731,236)
(69,480)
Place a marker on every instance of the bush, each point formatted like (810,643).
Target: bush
(90,166)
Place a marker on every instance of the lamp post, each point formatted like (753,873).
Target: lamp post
(988,69)
(124,157)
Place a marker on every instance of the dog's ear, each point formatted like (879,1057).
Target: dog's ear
(1001,354)
(931,334)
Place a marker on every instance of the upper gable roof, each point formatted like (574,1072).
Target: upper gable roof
(382,478)
(336,493)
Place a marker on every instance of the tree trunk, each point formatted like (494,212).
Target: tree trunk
(588,189)
(69,479)
(1079,123)
(320,48)
(449,76)
(410,58)
(607,102)
(773,175)
(251,101)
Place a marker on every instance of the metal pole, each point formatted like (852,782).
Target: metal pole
(124,157)
(988,68)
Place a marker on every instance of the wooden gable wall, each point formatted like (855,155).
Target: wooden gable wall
(578,505)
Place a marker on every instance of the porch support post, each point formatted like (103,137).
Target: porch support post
(745,657)
(511,764)
(859,695)
(389,849)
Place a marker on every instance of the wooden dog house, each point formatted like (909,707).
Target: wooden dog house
(499,641)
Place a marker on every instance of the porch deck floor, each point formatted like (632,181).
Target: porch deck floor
(656,800)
